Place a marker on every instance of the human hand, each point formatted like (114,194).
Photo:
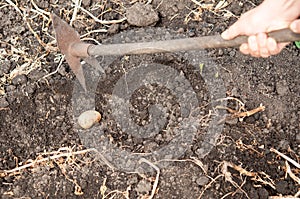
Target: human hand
(295,26)
(269,16)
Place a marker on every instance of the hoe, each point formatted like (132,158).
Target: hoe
(74,49)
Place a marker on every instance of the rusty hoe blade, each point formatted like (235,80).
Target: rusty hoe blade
(70,45)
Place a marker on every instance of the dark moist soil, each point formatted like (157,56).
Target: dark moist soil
(36,113)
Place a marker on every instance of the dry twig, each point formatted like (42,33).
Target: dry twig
(104,22)
(55,156)
(291,174)
(143,160)
(255,176)
(296,164)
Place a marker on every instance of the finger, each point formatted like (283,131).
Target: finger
(253,46)
(261,39)
(295,26)
(254,54)
(272,46)
(281,46)
(244,48)
(275,48)
(232,32)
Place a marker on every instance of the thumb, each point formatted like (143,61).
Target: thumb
(231,32)
(295,26)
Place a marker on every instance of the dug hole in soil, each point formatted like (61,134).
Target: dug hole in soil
(43,154)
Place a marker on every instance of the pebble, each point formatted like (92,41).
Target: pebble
(232,121)
(133,180)
(19,80)
(86,3)
(232,53)
(18,191)
(298,138)
(180,30)
(202,181)
(150,146)
(191,34)
(143,187)
(282,187)
(113,29)
(30,88)
(263,193)
(43,4)
(141,15)
(10,88)
(220,52)
(88,118)
(5,67)
(234,92)
(62,71)
(284,144)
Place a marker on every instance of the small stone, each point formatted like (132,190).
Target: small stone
(10,88)
(180,30)
(298,138)
(150,146)
(234,92)
(43,4)
(133,180)
(141,15)
(88,118)
(282,187)
(30,88)
(202,181)
(19,80)
(284,144)
(4,68)
(143,187)
(232,121)
(113,29)
(220,52)
(263,193)
(192,33)
(62,71)
(232,53)
(86,3)
(17,190)
(3,103)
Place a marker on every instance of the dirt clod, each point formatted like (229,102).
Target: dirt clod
(202,180)
(113,29)
(282,87)
(4,68)
(86,3)
(3,103)
(37,108)
(19,80)
(141,15)
(143,187)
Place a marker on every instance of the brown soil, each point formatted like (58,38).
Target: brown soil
(200,150)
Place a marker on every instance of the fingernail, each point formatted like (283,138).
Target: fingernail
(264,53)
(224,35)
(272,44)
(293,27)
(244,47)
(252,43)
